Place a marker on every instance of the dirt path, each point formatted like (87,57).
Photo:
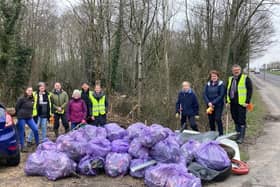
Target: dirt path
(264,155)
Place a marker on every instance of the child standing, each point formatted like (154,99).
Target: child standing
(187,106)
(76,110)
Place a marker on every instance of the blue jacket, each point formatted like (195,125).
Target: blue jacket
(188,102)
(214,93)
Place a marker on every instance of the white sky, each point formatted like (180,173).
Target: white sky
(273,51)
(271,55)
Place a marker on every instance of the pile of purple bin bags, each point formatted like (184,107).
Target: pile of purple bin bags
(114,150)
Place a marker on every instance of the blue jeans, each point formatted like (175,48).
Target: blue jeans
(43,123)
(73,125)
(31,123)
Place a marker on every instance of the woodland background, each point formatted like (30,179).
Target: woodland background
(131,46)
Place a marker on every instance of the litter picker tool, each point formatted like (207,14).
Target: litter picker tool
(227,120)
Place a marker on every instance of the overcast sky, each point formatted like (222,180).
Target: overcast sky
(271,55)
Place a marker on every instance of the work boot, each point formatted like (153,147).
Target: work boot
(237,136)
(56,132)
(242,135)
(183,127)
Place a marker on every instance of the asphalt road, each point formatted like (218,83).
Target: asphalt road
(271,78)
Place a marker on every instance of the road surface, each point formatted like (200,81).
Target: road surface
(271,78)
(265,154)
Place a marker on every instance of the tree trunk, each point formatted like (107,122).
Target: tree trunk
(139,77)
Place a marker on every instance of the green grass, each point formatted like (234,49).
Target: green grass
(274,72)
(255,122)
(255,119)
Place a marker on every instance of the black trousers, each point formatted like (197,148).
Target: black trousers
(216,118)
(238,114)
(99,120)
(63,119)
(191,119)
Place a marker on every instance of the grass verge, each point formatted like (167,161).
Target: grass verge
(274,72)
(255,122)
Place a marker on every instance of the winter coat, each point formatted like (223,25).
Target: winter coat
(249,87)
(24,107)
(76,110)
(59,99)
(214,93)
(85,95)
(187,103)
(43,105)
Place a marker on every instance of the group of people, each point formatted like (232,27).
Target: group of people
(35,108)
(237,94)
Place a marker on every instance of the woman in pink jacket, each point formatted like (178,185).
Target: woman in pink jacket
(76,110)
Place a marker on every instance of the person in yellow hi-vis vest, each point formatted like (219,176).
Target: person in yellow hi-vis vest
(59,99)
(41,111)
(99,106)
(239,94)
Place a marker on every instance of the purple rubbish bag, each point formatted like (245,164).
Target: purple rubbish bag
(137,150)
(137,162)
(91,165)
(213,156)
(49,163)
(74,149)
(166,151)
(47,145)
(59,165)
(36,163)
(135,130)
(117,164)
(79,136)
(98,147)
(153,135)
(188,150)
(170,175)
(89,131)
(114,131)
(120,146)
(183,180)
(101,132)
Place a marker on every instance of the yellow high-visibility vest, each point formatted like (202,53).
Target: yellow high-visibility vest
(241,89)
(35,96)
(98,106)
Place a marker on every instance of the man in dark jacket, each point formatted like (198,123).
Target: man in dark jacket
(85,95)
(239,94)
(187,106)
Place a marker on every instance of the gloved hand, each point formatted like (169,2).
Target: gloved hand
(177,115)
(210,110)
(197,117)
